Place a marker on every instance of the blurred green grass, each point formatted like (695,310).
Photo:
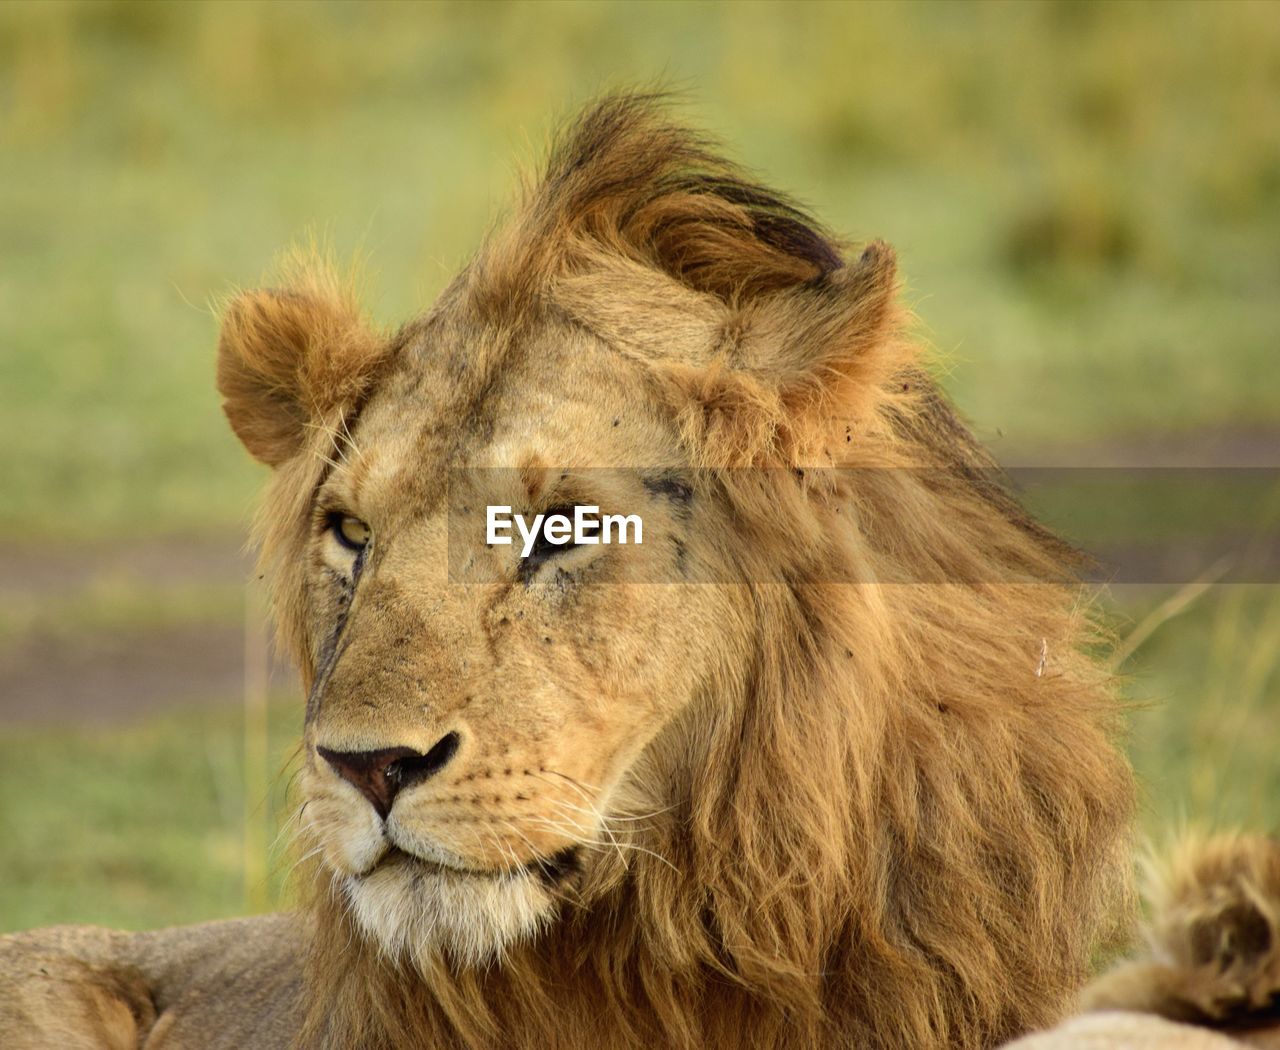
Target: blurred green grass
(144,825)
(1205,709)
(1085,198)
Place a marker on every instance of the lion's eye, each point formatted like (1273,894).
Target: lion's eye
(350,532)
(545,546)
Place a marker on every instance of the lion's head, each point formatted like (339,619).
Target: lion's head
(756,753)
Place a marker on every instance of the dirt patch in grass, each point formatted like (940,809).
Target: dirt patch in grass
(32,569)
(105,678)
(108,633)
(1211,447)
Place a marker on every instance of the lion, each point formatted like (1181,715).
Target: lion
(828,760)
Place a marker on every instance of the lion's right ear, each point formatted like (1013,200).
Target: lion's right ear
(287,360)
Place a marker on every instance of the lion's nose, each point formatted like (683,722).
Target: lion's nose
(381,775)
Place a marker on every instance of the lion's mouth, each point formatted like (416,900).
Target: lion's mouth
(553,870)
(558,868)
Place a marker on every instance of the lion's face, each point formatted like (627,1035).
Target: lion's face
(488,734)
(475,715)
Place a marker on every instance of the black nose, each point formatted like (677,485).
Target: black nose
(381,775)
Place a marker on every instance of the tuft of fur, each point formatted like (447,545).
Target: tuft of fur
(902,822)
(626,181)
(1213,940)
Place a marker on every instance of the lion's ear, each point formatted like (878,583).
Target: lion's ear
(826,340)
(761,374)
(791,367)
(287,359)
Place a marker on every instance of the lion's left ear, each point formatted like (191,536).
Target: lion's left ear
(824,349)
(288,360)
(760,375)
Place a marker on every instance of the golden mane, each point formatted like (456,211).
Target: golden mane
(907,826)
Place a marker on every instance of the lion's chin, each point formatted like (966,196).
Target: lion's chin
(422,911)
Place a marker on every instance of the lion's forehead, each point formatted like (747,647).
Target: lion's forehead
(562,400)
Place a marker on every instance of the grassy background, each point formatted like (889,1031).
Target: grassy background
(1085,198)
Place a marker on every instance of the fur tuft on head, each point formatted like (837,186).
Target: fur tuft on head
(626,179)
